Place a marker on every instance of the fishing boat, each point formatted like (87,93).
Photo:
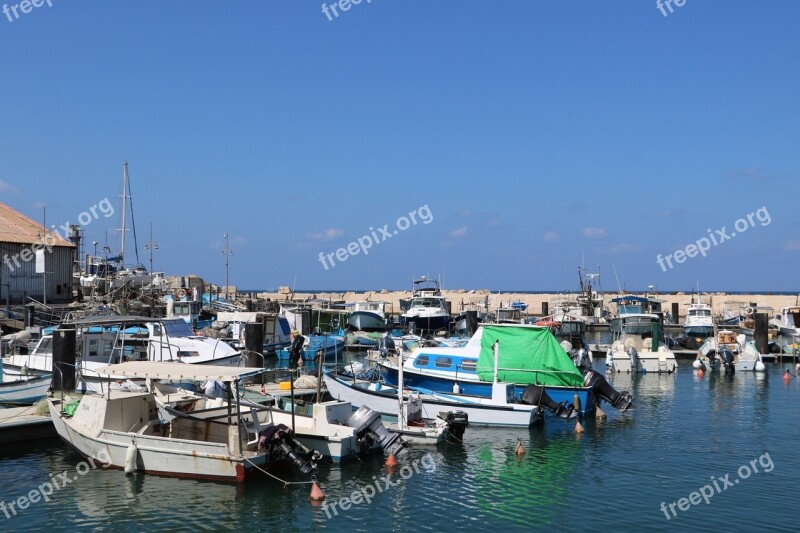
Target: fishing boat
(729,351)
(328,429)
(788,320)
(698,322)
(640,347)
(368,316)
(428,310)
(125,430)
(635,314)
(586,306)
(529,355)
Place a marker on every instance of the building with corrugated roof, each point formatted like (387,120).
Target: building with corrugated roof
(20,238)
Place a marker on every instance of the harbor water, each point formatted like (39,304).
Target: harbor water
(728,439)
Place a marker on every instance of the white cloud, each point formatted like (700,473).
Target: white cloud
(458,233)
(326,235)
(7,187)
(594,233)
(550,236)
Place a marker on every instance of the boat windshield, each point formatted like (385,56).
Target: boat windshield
(700,312)
(629,309)
(425,302)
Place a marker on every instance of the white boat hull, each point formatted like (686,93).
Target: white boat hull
(509,415)
(155,454)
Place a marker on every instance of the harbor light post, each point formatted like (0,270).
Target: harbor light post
(227,252)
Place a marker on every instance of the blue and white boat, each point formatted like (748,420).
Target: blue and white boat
(331,344)
(428,310)
(23,390)
(537,358)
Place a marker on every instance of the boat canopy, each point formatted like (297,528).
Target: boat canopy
(526,356)
(178,371)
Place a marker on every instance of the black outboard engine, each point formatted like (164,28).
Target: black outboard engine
(457,423)
(386,345)
(602,390)
(281,439)
(727,359)
(367,423)
(536,395)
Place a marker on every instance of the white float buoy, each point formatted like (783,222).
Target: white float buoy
(697,364)
(760,366)
(456,388)
(130,459)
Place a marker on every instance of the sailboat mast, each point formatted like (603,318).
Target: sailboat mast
(124,214)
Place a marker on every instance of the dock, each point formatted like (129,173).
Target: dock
(22,424)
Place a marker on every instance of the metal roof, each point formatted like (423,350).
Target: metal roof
(19,229)
(167,370)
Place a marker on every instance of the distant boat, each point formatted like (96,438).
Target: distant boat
(635,314)
(699,322)
(368,316)
(729,351)
(428,310)
(641,347)
(788,320)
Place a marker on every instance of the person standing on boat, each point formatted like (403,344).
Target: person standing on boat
(296,350)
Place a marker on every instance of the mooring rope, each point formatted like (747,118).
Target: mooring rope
(285,483)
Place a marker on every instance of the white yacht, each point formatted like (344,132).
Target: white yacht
(699,322)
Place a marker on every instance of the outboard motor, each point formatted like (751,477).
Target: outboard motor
(281,439)
(536,395)
(727,359)
(386,345)
(634,355)
(368,423)
(602,390)
(457,423)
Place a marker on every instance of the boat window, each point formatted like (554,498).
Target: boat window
(157,330)
(46,346)
(469,365)
(422,360)
(443,362)
(425,302)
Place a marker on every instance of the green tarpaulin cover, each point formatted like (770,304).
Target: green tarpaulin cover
(526,356)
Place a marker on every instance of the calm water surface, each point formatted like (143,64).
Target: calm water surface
(683,431)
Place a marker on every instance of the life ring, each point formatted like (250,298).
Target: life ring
(749,311)
(181,293)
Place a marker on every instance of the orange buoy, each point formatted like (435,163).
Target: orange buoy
(519,449)
(316,493)
(599,413)
(578,427)
(787,376)
(391,461)
(700,373)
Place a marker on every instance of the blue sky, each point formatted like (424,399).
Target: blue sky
(537,133)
